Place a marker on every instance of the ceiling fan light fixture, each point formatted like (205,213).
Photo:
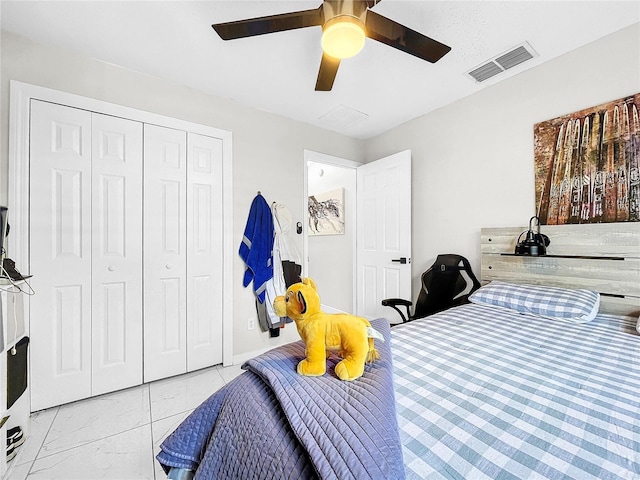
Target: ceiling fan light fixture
(343,36)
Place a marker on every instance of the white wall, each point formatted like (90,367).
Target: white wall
(472,161)
(331,259)
(268,150)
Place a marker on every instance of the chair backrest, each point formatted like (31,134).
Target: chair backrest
(445,286)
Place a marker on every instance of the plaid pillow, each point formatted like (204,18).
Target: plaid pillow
(578,306)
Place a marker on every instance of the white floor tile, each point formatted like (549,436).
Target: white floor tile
(184,393)
(126,456)
(89,420)
(35,433)
(229,373)
(17,472)
(111,437)
(161,430)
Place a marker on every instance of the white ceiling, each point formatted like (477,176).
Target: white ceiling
(174,40)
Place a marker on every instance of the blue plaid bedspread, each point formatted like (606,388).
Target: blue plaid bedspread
(271,423)
(485,394)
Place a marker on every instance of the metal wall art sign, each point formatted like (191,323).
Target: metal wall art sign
(587,165)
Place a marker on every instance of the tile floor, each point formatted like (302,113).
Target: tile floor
(115,436)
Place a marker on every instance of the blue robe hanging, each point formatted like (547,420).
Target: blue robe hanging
(257,246)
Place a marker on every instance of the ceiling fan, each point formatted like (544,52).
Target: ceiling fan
(345,24)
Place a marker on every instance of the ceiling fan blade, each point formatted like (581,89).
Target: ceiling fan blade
(403,38)
(327,73)
(269,24)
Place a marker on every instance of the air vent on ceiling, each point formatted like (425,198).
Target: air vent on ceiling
(485,71)
(503,62)
(342,116)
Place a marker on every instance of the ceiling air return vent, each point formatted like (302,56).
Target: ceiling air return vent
(503,62)
(342,117)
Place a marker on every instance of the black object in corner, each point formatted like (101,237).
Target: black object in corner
(17,371)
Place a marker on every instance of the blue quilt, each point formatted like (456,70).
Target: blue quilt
(271,422)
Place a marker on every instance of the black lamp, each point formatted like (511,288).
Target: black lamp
(535,243)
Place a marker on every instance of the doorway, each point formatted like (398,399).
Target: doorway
(330,254)
(371,259)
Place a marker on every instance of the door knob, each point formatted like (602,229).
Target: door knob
(401,260)
(168,266)
(111,268)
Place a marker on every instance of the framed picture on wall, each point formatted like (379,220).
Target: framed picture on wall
(587,165)
(326,213)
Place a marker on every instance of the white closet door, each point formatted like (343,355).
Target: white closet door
(116,220)
(60,254)
(164,256)
(204,251)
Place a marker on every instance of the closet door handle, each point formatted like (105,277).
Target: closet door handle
(111,268)
(168,266)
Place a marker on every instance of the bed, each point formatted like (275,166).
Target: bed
(509,386)
(496,394)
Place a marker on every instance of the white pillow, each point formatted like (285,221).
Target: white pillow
(579,306)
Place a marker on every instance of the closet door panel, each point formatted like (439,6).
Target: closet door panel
(204,251)
(116,253)
(60,254)
(164,256)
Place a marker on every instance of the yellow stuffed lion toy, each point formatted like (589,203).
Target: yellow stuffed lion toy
(350,336)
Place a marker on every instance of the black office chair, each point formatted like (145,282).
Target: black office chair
(443,286)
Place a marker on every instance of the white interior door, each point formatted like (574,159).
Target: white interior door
(116,219)
(384,233)
(204,251)
(60,254)
(164,257)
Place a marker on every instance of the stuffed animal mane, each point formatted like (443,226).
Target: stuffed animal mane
(349,336)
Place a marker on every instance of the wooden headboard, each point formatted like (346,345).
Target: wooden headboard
(603,257)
